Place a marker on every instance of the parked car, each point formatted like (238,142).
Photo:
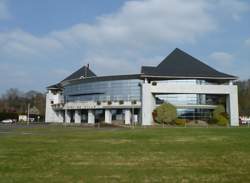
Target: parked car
(244,120)
(7,121)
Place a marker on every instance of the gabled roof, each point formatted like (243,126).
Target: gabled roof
(57,86)
(107,78)
(177,65)
(182,65)
(83,72)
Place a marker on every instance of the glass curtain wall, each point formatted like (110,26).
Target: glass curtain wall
(192,106)
(126,90)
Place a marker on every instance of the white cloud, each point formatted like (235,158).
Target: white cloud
(233,7)
(143,23)
(140,25)
(121,42)
(18,43)
(223,57)
(121,38)
(4,12)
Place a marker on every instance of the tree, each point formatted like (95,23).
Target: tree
(165,114)
(220,117)
(244,96)
(218,111)
(16,101)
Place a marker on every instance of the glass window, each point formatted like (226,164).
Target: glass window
(104,91)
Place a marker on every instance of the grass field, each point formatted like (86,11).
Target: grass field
(125,155)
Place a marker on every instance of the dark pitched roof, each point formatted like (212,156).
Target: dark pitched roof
(106,78)
(82,72)
(180,64)
(57,86)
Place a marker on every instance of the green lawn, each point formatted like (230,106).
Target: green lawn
(125,155)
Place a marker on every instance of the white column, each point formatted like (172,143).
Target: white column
(108,116)
(148,104)
(233,108)
(127,116)
(228,104)
(135,118)
(77,116)
(91,116)
(60,116)
(67,116)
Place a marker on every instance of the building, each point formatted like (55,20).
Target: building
(192,86)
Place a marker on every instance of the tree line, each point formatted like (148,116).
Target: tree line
(244,97)
(15,101)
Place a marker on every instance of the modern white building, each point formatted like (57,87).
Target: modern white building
(192,86)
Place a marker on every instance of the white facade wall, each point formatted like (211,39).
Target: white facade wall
(147,104)
(77,116)
(60,116)
(174,88)
(127,116)
(104,105)
(67,116)
(108,116)
(91,116)
(50,114)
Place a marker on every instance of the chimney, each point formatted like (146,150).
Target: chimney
(86,70)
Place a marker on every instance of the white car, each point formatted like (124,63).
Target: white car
(7,121)
(245,120)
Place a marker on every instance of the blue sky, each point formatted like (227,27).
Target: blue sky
(41,42)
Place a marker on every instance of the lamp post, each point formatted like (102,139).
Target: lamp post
(133,113)
(28,114)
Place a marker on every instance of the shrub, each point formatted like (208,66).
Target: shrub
(222,121)
(212,121)
(218,111)
(165,114)
(224,114)
(180,122)
(220,117)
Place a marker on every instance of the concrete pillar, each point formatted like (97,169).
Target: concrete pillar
(233,108)
(148,104)
(127,116)
(67,116)
(108,116)
(135,118)
(77,116)
(228,104)
(91,116)
(60,116)
(140,116)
